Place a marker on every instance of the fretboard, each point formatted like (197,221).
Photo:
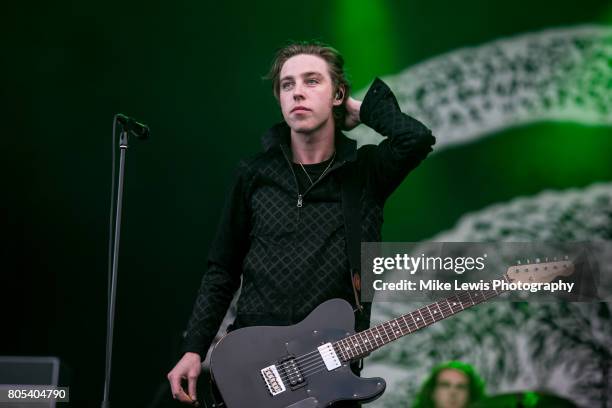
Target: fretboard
(363,343)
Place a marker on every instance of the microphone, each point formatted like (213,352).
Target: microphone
(140,130)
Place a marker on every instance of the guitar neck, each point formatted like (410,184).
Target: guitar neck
(361,344)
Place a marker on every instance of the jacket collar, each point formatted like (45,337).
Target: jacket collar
(280,134)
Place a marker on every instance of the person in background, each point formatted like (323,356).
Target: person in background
(450,385)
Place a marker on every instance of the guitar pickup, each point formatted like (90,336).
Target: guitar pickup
(329,356)
(291,372)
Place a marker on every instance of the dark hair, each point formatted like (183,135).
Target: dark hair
(424,398)
(335,64)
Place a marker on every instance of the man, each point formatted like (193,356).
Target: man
(283,227)
(451,385)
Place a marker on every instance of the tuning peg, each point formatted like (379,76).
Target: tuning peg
(566,257)
(528,261)
(546,259)
(518,262)
(555,258)
(537,260)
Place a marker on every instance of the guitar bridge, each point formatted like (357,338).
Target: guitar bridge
(273,380)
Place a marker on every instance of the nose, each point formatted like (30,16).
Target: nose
(298,92)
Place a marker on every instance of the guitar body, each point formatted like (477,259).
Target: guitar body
(290,354)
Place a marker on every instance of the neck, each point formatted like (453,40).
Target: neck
(360,344)
(315,146)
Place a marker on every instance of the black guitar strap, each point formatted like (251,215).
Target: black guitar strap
(351,195)
(351,204)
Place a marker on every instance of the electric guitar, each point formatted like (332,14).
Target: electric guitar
(307,365)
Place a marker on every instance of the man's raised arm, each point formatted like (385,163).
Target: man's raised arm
(407,141)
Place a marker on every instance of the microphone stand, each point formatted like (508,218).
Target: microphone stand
(128,125)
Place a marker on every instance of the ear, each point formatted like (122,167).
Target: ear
(339,95)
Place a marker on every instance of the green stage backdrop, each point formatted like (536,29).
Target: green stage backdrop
(518,95)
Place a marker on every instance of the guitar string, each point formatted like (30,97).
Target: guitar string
(425,307)
(313,366)
(302,359)
(443,306)
(486,295)
(316,368)
(307,369)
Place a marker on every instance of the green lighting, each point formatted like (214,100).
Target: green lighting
(363,33)
(530,399)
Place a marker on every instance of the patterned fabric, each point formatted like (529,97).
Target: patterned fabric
(292,258)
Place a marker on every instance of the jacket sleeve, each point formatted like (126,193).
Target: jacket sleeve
(222,277)
(407,141)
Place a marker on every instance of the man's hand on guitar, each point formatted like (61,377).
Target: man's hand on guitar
(188,368)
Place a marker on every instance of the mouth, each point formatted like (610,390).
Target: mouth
(300,109)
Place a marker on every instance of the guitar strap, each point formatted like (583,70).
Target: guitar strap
(351,195)
(351,205)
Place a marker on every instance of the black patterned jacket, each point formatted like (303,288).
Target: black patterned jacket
(290,249)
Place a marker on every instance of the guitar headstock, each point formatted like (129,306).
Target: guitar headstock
(539,271)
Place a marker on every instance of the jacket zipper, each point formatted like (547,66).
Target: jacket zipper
(297,185)
(300,197)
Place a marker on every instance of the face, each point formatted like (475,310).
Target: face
(306,93)
(452,389)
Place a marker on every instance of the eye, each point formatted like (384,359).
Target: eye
(286,86)
(312,81)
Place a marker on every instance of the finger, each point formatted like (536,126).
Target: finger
(183,397)
(192,382)
(177,390)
